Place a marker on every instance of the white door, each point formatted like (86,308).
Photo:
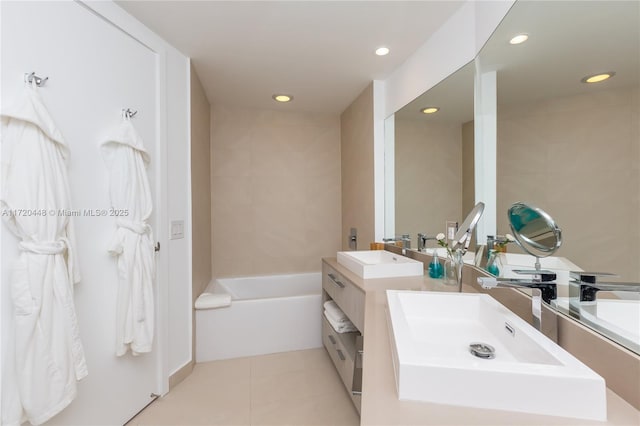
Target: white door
(95,70)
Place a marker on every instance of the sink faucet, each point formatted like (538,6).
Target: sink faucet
(406,241)
(544,289)
(584,286)
(422,241)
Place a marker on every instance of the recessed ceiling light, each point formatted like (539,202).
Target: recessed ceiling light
(282,98)
(430,110)
(596,78)
(381,51)
(520,38)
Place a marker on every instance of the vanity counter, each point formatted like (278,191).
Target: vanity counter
(380,404)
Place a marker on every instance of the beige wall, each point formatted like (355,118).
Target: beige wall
(356,133)
(275,190)
(200,186)
(578,158)
(468,168)
(428,176)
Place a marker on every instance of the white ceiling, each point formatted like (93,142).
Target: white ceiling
(568,40)
(321,52)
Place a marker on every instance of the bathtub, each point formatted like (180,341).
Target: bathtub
(268,314)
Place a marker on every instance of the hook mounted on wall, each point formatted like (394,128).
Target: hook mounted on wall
(128,113)
(33,78)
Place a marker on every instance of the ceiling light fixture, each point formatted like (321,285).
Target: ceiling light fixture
(520,38)
(596,78)
(382,51)
(282,98)
(430,110)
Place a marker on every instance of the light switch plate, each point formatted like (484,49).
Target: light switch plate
(177,229)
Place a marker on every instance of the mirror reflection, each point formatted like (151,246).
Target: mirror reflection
(534,230)
(569,146)
(434,158)
(565,145)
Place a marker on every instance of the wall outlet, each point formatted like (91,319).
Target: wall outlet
(452,228)
(177,229)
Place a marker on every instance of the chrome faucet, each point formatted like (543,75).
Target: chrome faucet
(544,288)
(584,286)
(490,243)
(422,241)
(405,238)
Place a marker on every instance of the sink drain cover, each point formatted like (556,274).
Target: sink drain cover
(482,350)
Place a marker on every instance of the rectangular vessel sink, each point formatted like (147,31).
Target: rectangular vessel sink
(379,264)
(431,334)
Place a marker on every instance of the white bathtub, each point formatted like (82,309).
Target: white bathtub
(268,314)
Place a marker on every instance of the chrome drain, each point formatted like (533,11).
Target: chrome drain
(482,350)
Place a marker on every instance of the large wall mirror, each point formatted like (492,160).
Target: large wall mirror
(567,146)
(433,158)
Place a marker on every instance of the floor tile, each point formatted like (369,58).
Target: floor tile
(289,388)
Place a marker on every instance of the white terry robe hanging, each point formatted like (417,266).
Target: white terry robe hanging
(49,357)
(126,159)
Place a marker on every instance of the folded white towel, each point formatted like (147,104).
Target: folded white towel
(335,310)
(337,319)
(213,300)
(340,327)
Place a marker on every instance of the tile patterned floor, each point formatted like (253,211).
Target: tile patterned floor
(289,388)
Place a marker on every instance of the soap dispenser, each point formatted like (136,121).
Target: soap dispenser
(492,263)
(436,270)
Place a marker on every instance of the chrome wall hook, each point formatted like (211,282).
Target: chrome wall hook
(128,113)
(33,78)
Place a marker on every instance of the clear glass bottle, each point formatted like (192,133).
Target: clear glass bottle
(453,269)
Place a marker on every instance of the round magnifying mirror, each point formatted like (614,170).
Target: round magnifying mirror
(465,231)
(534,230)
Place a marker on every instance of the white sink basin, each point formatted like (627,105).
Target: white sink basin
(379,264)
(431,334)
(618,319)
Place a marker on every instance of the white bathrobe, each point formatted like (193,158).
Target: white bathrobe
(49,357)
(126,160)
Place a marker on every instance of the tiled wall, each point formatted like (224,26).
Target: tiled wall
(275,190)
(428,176)
(356,130)
(578,158)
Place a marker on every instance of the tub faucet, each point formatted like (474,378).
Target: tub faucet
(544,288)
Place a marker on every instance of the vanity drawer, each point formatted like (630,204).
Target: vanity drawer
(348,297)
(339,352)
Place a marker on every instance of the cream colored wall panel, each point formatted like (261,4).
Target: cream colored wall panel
(200,185)
(577,158)
(275,183)
(356,124)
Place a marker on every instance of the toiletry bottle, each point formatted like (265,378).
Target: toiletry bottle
(492,264)
(436,270)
